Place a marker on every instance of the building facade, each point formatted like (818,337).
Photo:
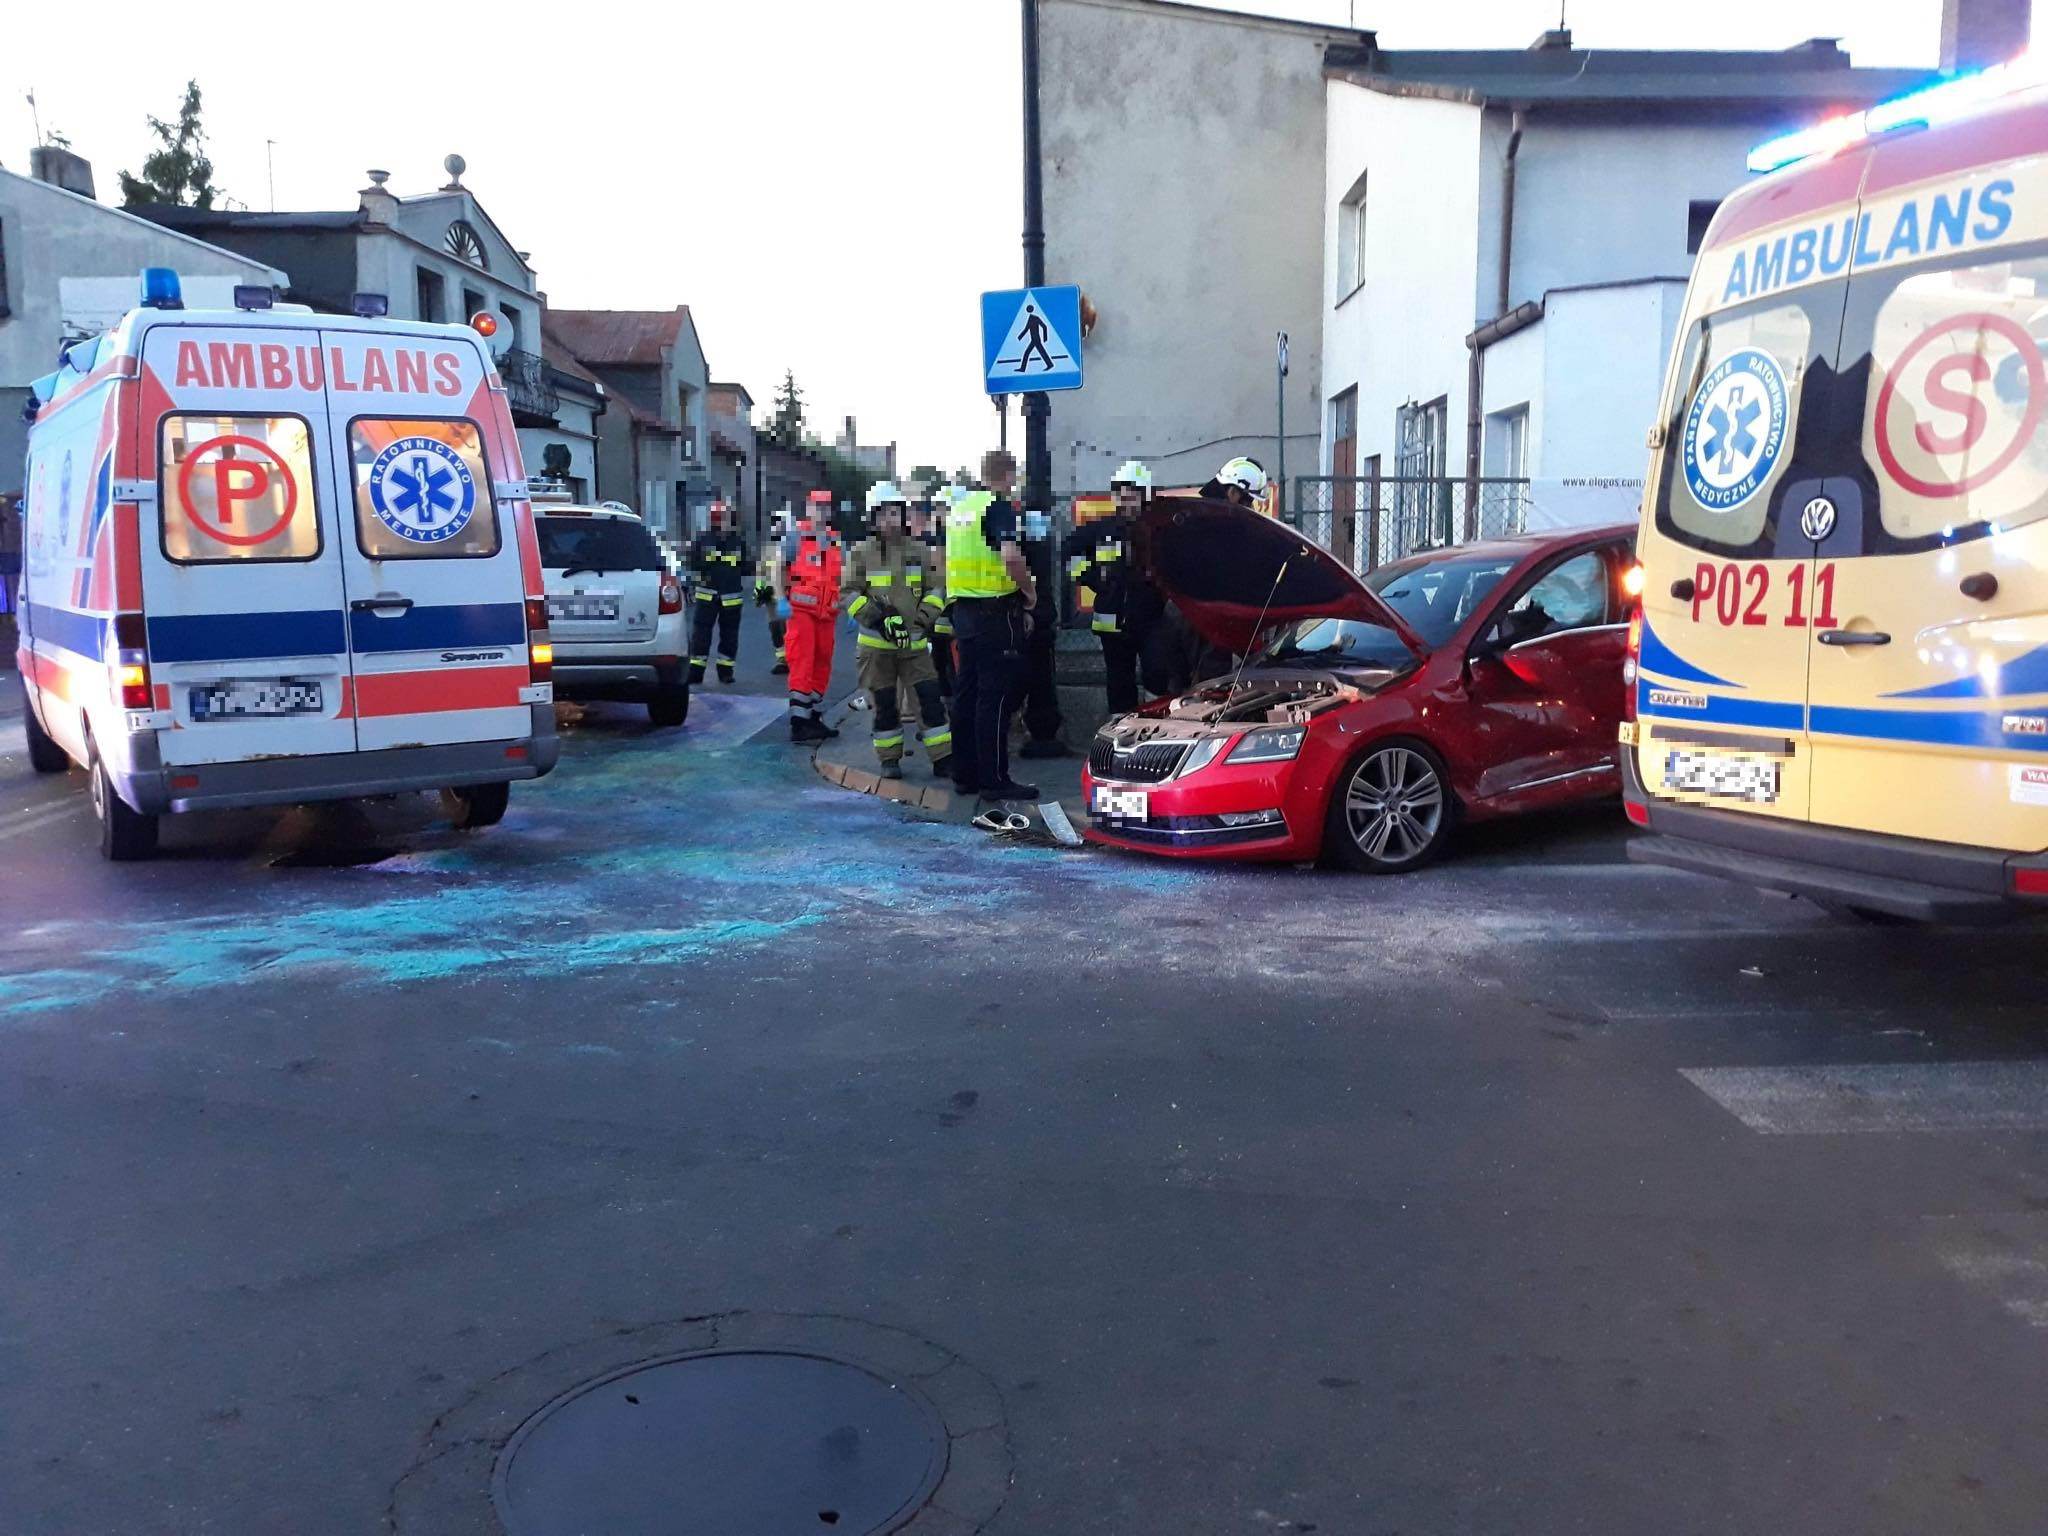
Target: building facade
(651,441)
(1506,241)
(1182,153)
(436,256)
(69,266)
(729,422)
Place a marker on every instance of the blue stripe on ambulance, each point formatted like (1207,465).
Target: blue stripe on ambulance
(246,636)
(1942,727)
(2024,674)
(453,626)
(1655,656)
(1713,710)
(83,634)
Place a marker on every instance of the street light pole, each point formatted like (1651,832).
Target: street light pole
(1037,409)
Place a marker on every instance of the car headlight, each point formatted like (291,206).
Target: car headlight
(1274,744)
(1201,755)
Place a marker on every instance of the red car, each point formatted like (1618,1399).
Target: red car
(1369,715)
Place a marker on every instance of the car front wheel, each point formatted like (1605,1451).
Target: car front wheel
(1391,811)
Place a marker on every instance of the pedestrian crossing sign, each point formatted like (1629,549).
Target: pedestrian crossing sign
(1031,339)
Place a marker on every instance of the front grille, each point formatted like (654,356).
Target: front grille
(1149,762)
(1189,831)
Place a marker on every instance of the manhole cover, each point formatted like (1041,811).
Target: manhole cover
(769,1443)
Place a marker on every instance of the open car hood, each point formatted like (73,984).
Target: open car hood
(1218,563)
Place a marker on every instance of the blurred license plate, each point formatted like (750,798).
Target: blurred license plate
(1134,803)
(256,699)
(1727,778)
(583,607)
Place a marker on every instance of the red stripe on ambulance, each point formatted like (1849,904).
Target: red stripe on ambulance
(433,692)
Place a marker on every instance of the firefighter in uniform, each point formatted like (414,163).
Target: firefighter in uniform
(928,524)
(718,564)
(771,588)
(814,564)
(992,592)
(893,595)
(1101,556)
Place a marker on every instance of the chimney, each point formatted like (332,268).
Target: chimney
(377,203)
(61,168)
(1557,40)
(1975,33)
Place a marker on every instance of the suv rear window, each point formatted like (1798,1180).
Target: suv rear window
(596,544)
(423,489)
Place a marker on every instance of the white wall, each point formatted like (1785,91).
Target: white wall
(1401,335)
(1183,192)
(576,429)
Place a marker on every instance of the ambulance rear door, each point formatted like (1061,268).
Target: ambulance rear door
(430,539)
(241,563)
(1728,604)
(1930,700)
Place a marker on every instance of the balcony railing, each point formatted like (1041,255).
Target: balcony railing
(528,388)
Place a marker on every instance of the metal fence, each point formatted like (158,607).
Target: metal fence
(1366,521)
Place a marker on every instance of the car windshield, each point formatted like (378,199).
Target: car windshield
(1433,595)
(596,544)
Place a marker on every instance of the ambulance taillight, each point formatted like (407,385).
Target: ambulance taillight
(540,646)
(131,661)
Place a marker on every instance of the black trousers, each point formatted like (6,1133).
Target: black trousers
(725,615)
(989,644)
(1120,666)
(1041,694)
(931,709)
(942,658)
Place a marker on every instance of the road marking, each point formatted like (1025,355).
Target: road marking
(2006,1255)
(1838,1100)
(44,816)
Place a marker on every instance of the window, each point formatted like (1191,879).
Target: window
(1507,444)
(4,310)
(1344,434)
(1699,213)
(1952,407)
(1351,240)
(1574,595)
(423,489)
(472,303)
(597,544)
(237,489)
(433,296)
(1729,438)
(511,325)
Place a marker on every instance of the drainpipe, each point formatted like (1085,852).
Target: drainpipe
(1475,367)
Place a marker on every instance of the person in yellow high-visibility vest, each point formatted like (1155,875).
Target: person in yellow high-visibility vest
(992,594)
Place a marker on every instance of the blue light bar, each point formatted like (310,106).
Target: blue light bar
(160,289)
(1929,105)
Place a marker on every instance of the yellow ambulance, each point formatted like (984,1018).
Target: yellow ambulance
(1840,666)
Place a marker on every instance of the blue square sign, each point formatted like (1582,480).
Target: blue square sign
(1031,339)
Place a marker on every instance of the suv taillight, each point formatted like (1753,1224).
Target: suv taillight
(1632,664)
(131,661)
(540,649)
(671,595)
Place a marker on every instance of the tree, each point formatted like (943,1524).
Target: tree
(788,425)
(179,173)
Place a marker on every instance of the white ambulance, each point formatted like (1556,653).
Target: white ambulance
(272,557)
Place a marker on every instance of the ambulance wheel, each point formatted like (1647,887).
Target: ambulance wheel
(477,805)
(671,706)
(44,755)
(125,833)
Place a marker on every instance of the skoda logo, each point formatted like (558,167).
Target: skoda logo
(1817,518)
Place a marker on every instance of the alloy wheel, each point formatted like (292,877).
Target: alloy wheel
(1394,806)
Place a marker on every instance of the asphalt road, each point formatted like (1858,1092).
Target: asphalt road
(1538,1192)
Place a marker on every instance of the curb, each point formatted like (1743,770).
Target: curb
(925,797)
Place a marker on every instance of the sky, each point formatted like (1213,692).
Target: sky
(828,184)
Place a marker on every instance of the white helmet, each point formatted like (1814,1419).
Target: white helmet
(1132,472)
(884,492)
(1248,475)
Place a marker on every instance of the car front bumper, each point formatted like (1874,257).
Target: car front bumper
(1835,866)
(1184,816)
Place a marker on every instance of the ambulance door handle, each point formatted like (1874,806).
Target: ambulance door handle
(373,604)
(1854,637)
(1683,589)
